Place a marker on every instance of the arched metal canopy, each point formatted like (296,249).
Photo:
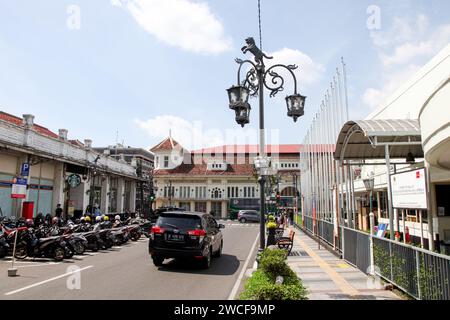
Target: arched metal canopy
(367,139)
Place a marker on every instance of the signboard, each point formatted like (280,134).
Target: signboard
(25,169)
(381,230)
(19,188)
(409,190)
(74,180)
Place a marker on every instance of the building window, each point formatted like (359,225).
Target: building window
(185,192)
(166,161)
(233,192)
(249,192)
(169,192)
(200,192)
(113,187)
(216,193)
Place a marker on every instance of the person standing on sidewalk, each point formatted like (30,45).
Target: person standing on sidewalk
(58,211)
(291,217)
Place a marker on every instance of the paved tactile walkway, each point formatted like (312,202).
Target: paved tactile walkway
(329,278)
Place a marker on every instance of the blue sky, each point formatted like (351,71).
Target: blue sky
(143,67)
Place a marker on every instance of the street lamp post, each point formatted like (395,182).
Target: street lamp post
(258,78)
(369,184)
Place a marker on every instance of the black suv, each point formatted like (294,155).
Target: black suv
(185,235)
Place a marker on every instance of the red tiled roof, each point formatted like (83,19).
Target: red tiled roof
(202,170)
(166,145)
(316,148)
(251,149)
(19,122)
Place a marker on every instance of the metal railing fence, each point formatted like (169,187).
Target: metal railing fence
(423,274)
(357,249)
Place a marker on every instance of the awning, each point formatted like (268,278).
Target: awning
(366,139)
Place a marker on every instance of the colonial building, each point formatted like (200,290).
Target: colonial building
(61,171)
(143,161)
(221,179)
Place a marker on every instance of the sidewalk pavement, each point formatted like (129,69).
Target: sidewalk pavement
(329,278)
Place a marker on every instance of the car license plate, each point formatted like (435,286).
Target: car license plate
(175,237)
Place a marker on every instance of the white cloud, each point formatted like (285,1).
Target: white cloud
(401,49)
(185,24)
(391,82)
(409,51)
(308,72)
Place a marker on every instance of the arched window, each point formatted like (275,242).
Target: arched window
(216,193)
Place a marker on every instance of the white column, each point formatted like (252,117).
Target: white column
(224,209)
(120,195)
(85,186)
(133,196)
(58,186)
(105,197)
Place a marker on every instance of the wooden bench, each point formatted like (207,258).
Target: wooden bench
(286,242)
(279,233)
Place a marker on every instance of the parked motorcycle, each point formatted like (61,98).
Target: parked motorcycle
(4,246)
(29,245)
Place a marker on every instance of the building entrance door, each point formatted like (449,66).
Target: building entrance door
(216,209)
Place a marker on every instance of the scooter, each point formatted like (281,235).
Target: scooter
(29,245)
(4,246)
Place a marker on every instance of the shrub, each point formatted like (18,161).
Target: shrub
(262,286)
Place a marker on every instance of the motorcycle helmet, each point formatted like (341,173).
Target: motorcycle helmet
(88,219)
(82,220)
(117,217)
(98,219)
(55,220)
(105,218)
(29,223)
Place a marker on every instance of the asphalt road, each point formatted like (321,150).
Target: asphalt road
(127,272)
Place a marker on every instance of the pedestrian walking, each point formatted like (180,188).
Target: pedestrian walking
(58,211)
(291,217)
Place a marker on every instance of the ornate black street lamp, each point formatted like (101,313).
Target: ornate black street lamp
(256,79)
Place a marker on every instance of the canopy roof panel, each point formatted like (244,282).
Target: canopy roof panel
(366,139)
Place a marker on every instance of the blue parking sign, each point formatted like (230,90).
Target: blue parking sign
(25,170)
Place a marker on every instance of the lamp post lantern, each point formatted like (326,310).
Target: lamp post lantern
(256,79)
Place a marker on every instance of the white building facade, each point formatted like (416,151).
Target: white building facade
(52,159)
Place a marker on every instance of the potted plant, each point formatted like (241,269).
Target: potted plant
(271,227)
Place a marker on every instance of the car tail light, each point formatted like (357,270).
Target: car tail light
(156,230)
(198,233)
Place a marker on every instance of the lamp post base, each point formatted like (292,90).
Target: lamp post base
(12,272)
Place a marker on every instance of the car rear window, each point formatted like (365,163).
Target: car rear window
(183,222)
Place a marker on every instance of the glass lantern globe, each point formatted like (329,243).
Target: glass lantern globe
(295,106)
(243,114)
(238,95)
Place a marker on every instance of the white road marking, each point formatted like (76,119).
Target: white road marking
(30,261)
(233,292)
(46,281)
(40,265)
